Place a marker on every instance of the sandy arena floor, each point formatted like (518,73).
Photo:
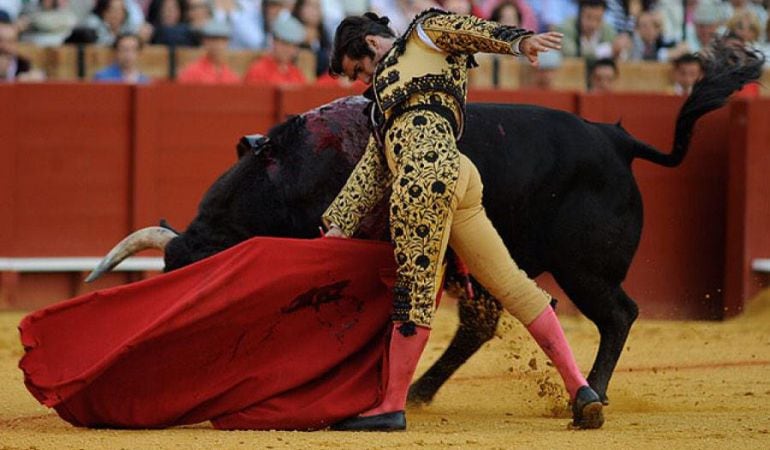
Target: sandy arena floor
(678,385)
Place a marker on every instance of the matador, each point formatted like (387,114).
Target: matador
(418,91)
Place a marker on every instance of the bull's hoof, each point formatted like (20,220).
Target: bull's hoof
(587,410)
(418,397)
(395,421)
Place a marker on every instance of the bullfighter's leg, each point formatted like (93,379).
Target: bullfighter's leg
(420,147)
(479,245)
(478,321)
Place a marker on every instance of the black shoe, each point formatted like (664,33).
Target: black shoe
(395,421)
(587,409)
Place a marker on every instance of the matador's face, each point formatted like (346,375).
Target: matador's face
(363,69)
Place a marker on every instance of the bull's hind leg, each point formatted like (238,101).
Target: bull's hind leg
(478,321)
(613,312)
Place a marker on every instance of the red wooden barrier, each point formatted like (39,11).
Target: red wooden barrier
(563,100)
(678,270)
(185,137)
(748,207)
(82,165)
(65,166)
(66,156)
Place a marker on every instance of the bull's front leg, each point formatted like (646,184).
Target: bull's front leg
(478,321)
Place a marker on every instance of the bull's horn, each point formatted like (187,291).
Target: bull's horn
(150,237)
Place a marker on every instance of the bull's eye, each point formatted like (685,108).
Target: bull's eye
(431,156)
(415,191)
(422,230)
(422,261)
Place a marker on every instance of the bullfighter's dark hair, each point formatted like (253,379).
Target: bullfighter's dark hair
(350,39)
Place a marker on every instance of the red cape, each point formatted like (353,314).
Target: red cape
(270,334)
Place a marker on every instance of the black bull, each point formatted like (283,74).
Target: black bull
(559,190)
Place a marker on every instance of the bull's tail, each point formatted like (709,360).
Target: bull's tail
(726,69)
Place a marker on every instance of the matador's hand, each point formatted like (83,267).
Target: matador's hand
(543,42)
(334,231)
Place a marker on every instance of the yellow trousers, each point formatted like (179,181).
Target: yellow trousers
(436,201)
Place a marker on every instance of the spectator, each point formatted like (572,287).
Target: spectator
(688,69)
(333,11)
(49,22)
(506,13)
(765,47)
(602,75)
(620,15)
(197,14)
(168,28)
(708,19)
(250,23)
(277,67)
(745,26)
(463,7)
(677,19)
(551,14)
(310,14)
(511,12)
(10,10)
(400,12)
(588,35)
(12,66)
(649,44)
(110,18)
(125,69)
(743,30)
(271,9)
(211,68)
(734,7)
(544,74)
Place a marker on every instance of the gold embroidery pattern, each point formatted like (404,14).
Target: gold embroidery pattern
(469,34)
(363,190)
(428,162)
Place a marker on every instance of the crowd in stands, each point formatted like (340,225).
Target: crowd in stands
(603,33)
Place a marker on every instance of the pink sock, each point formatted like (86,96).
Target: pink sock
(548,334)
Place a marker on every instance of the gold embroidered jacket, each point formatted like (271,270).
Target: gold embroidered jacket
(426,68)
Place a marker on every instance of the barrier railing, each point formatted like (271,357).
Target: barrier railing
(70,62)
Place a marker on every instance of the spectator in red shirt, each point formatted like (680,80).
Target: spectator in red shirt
(278,65)
(211,68)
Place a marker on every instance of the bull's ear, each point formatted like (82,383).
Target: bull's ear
(252,143)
